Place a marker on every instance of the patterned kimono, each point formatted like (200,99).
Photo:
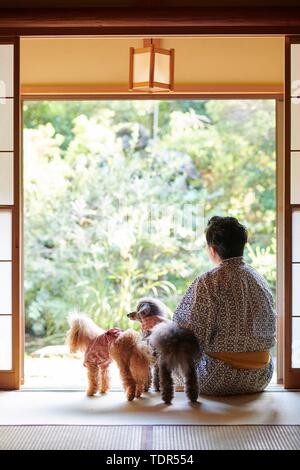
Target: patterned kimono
(229,309)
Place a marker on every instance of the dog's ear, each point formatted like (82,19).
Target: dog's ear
(144,310)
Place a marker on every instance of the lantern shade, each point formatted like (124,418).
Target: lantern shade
(151,69)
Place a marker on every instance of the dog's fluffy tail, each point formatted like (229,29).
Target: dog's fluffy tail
(82,328)
(177,345)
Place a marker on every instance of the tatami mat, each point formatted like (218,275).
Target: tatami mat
(74,408)
(150,437)
(226,437)
(71,437)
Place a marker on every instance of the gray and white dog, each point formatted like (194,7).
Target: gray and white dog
(176,349)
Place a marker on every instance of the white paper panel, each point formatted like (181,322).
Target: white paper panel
(6,124)
(296,342)
(295,125)
(6,179)
(5,343)
(296,289)
(6,70)
(5,288)
(295,69)
(295,178)
(141,67)
(162,68)
(296,236)
(5,235)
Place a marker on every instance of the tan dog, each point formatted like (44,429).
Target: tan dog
(133,357)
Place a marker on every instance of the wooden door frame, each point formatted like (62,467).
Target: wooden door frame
(279,169)
(280,291)
(141,22)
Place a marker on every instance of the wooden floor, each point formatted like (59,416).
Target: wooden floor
(74,408)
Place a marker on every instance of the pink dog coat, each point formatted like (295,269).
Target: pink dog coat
(97,353)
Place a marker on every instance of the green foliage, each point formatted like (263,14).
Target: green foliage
(105,183)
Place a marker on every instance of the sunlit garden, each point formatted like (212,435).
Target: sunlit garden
(117,194)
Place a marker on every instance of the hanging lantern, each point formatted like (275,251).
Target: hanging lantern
(151,68)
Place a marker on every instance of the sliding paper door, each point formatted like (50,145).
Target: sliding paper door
(10,311)
(292,213)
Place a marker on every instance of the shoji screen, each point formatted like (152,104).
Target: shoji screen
(292,214)
(10,328)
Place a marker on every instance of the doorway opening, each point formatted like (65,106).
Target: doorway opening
(116,197)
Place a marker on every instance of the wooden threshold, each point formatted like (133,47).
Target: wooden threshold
(252,91)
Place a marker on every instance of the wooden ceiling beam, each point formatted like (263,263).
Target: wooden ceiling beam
(150,22)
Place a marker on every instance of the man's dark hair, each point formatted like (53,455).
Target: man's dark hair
(227,236)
